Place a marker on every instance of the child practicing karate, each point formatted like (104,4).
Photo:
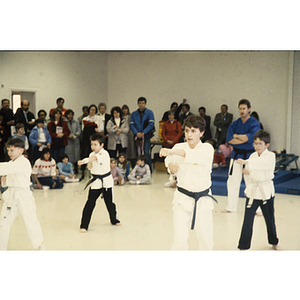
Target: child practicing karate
(191,162)
(260,190)
(102,182)
(18,197)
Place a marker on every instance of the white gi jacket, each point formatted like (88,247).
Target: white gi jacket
(194,174)
(261,172)
(100,167)
(18,178)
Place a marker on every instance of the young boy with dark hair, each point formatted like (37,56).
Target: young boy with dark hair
(260,190)
(102,182)
(141,173)
(20,128)
(18,197)
(191,162)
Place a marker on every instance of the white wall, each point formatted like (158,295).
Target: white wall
(295,136)
(79,77)
(204,78)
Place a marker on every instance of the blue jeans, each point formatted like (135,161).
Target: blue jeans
(57,152)
(49,181)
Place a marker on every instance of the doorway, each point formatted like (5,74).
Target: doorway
(18,96)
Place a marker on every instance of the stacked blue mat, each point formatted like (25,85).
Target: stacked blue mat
(285,182)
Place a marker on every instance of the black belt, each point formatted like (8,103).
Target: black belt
(240,151)
(101,177)
(196,196)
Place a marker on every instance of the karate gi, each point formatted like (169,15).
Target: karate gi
(260,193)
(250,127)
(105,186)
(18,198)
(194,175)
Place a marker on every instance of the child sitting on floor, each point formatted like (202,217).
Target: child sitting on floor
(44,171)
(65,168)
(141,173)
(116,173)
(123,165)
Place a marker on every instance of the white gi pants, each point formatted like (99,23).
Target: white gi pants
(182,218)
(22,202)
(233,185)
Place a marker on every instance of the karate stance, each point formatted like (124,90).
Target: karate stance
(101,183)
(18,197)
(260,190)
(191,162)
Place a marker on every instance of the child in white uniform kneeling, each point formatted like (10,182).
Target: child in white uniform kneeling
(260,190)
(191,162)
(18,197)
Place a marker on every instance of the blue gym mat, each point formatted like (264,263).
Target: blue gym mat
(285,182)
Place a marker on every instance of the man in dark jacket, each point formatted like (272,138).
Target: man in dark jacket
(222,122)
(24,116)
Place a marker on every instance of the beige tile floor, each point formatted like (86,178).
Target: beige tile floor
(146,216)
(145,212)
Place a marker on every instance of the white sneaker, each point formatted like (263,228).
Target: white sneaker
(68,179)
(134,182)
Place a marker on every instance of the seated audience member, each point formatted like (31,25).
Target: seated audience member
(59,132)
(123,165)
(73,147)
(39,138)
(60,106)
(254,114)
(222,122)
(207,134)
(178,111)
(141,173)
(116,172)
(65,169)
(44,171)
(117,130)
(43,115)
(20,128)
(173,108)
(171,131)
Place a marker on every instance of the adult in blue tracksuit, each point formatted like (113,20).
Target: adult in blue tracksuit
(240,136)
(142,126)
(38,137)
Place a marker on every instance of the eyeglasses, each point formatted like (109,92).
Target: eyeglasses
(258,144)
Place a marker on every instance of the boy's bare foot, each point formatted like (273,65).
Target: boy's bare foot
(275,247)
(54,185)
(118,224)
(82,230)
(259,214)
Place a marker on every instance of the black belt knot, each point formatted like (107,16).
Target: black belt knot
(98,176)
(196,196)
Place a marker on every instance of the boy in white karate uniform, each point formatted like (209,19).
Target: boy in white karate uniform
(191,162)
(260,190)
(18,197)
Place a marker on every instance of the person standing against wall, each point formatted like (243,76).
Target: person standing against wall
(222,122)
(142,126)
